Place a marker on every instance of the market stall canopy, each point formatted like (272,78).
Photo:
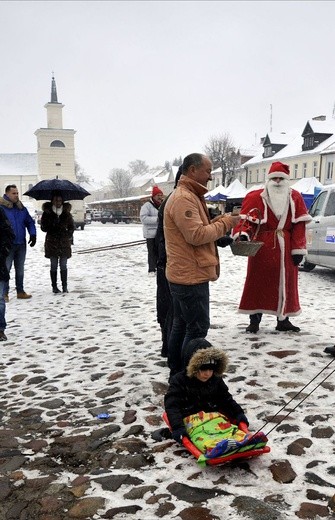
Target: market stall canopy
(235,190)
(307,185)
(216,194)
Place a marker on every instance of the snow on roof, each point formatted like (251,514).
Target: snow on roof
(280,137)
(322,127)
(122,199)
(18,164)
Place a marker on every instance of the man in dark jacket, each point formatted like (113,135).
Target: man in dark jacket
(20,221)
(6,241)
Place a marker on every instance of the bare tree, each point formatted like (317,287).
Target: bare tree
(222,153)
(120,182)
(80,174)
(138,167)
(177,161)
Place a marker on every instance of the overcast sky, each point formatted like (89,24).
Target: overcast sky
(155,80)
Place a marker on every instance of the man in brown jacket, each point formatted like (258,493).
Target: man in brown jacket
(192,255)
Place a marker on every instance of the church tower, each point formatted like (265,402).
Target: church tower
(55,144)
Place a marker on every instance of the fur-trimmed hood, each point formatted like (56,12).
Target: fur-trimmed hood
(202,356)
(199,352)
(9,204)
(47,207)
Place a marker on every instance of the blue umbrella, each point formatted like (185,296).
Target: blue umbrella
(45,190)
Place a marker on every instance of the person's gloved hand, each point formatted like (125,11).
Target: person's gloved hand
(224,241)
(297,259)
(178,434)
(32,240)
(242,418)
(243,238)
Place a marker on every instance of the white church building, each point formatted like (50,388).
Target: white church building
(55,155)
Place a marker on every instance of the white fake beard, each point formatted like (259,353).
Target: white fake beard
(278,195)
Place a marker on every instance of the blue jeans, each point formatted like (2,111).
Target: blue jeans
(17,255)
(190,319)
(2,306)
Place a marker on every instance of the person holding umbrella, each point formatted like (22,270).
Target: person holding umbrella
(57,222)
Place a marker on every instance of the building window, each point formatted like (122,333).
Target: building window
(58,164)
(330,171)
(257,175)
(304,169)
(250,176)
(295,173)
(315,168)
(264,174)
(57,144)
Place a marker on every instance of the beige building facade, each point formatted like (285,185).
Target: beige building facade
(310,153)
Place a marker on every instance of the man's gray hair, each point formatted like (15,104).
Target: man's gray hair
(194,159)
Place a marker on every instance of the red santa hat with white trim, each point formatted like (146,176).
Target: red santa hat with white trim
(278,169)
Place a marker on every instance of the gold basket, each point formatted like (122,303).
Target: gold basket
(251,247)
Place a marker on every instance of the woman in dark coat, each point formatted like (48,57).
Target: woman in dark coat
(58,224)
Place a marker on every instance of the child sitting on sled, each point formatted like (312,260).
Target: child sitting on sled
(198,404)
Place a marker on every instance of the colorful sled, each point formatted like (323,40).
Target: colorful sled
(224,459)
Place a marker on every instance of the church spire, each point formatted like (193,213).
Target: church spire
(53,90)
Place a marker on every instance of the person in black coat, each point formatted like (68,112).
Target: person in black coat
(200,387)
(57,222)
(164,305)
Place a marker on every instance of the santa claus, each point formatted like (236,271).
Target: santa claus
(271,284)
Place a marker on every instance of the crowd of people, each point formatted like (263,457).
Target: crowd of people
(182,243)
(187,241)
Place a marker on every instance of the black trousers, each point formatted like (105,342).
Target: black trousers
(152,255)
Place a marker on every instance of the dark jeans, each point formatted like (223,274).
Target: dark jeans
(152,254)
(190,319)
(2,306)
(17,255)
(54,263)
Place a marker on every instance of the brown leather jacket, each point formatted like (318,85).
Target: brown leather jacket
(190,236)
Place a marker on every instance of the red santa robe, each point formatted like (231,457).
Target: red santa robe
(271,284)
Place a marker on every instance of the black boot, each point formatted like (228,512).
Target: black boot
(53,276)
(63,276)
(286,326)
(255,320)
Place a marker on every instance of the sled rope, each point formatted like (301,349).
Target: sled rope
(112,246)
(294,397)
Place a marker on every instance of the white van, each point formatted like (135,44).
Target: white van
(320,232)
(78,212)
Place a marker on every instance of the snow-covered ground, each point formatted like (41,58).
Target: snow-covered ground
(111,306)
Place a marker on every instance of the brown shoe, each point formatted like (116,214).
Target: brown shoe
(23,295)
(3,336)
(6,298)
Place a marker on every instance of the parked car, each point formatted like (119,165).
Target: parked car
(88,217)
(115,217)
(96,215)
(320,232)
